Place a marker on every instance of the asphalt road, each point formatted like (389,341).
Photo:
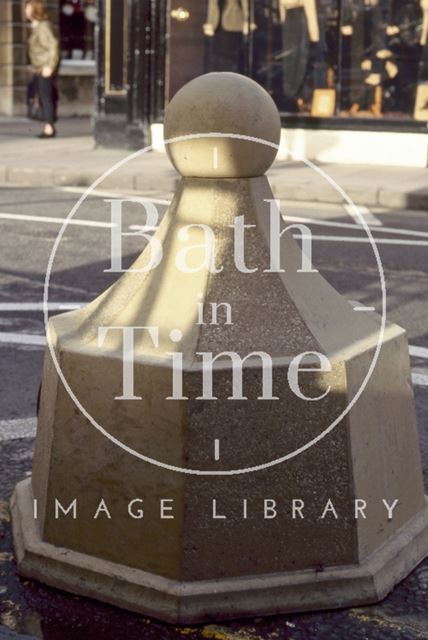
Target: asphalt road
(30,220)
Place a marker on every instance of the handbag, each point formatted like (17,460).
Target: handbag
(34,107)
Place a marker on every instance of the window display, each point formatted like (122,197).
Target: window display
(295,53)
(225,27)
(381,54)
(325,58)
(76,23)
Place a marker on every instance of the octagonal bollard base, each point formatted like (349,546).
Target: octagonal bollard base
(210,600)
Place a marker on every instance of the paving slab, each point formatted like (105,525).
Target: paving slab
(73,159)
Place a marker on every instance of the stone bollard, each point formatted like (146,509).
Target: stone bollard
(178,492)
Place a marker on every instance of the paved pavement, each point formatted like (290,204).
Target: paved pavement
(71,159)
(29,220)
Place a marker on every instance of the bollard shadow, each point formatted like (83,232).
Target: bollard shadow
(416,199)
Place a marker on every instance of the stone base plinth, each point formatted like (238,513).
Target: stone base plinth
(200,601)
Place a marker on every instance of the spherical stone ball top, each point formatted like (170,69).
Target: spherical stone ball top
(226,103)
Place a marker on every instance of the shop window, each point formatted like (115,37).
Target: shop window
(383,47)
(296,54)
(317,58)
(358,58)
(76,23)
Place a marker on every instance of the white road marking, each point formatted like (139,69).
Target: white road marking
(418,352)
(364,212)
(36,339)
(216,449)
(392,241)
(364,309)
(215,157)
(52,220)
(38,306)
(348,225)
(26,427)
(22,338)
(420,379)
(108,225)
(141,227)
(112,194)
(19,428)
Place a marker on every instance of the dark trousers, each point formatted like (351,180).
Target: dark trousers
(46,94)
(295,56)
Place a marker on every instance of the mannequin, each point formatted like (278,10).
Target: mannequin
(224,28)
(300,27)
(232,16)
(407,32)
(228,21)
(365,43)
(393,28)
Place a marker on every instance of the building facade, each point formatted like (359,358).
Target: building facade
(336,69)
(74,22)
(349,77)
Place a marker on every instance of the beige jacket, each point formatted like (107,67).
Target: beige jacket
(234,16)
(43,47)
(310,12)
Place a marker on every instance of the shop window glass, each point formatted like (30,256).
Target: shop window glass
(296,46)
(227,27)
(186,43)
(317,58)
(76,23)
(382,56)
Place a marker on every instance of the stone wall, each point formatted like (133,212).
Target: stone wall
(13,58)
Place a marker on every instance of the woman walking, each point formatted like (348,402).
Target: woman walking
(44,58)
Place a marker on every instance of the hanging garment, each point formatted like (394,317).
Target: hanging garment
(295,56)
(225,48)
(319,50)
(406,33)
(231,15)
(267,46)
(367,61)
(310,9)
(303,51)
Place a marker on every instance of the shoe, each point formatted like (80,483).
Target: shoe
(44,136)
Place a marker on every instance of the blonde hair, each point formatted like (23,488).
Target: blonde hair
(39,11)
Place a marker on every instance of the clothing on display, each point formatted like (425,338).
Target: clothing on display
(407,32)
(372,53)
(228,21)
(295,56)
(369,63)
(300,29)
(230,15)
(310,10)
